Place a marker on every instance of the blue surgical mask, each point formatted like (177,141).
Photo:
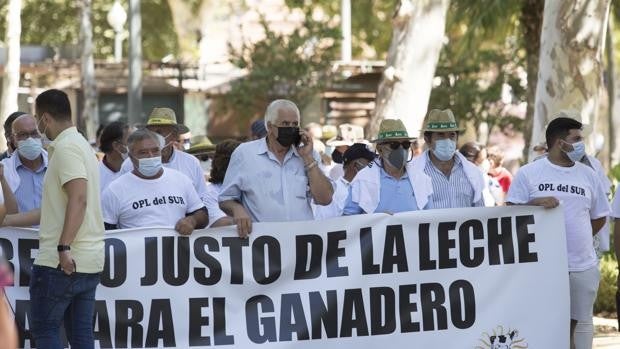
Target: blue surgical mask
(30,148)
(579,150)
(444,149)
(149,167)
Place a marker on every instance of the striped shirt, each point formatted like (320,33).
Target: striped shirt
(453,191)
(28,194)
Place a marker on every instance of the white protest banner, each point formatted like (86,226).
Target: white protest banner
(460,278)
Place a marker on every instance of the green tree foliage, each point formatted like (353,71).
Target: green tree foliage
(55,23)
(295,66)
(471,85)
(371,25)
(489,22)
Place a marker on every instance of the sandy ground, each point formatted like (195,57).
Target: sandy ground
(607,335)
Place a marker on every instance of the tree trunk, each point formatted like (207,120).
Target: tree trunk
(531,25)
(134,92)
(571,64)
(417,38)
(89,120)
(10,78)
(614,97)
(187,28)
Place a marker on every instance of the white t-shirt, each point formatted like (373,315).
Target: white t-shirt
(213,206)
(602,239)
(185,163)
(339,199)
(106,176)
(582,198)
(132,202)
(615,206)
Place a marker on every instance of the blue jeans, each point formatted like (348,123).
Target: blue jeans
(55,296)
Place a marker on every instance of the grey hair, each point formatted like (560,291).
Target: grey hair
(271,114)
(140,135)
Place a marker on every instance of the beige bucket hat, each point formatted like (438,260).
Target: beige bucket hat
(392,129)
(441,121)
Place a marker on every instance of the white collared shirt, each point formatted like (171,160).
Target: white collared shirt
(339,199)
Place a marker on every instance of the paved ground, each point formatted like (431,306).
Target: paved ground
(607,336)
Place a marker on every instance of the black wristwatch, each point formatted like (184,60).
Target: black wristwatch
(62,248)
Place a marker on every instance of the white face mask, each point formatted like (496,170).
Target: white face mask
(124,155)
(579,150)
(162,141)
(444,149)
(149,167)
(30,148)
(485,166)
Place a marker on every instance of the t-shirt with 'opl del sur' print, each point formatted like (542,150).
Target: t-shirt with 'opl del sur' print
(581,196)
(133,202)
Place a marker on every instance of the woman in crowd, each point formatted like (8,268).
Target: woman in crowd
(477,154)
(219,165)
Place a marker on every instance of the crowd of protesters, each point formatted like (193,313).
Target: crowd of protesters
(155,176)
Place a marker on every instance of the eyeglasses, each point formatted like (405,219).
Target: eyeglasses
(395,145)
(24,135)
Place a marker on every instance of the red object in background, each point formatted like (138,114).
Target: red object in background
(503,177)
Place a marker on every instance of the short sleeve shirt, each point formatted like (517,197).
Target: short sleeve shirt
(71,157)
(106,175)
(133,202)
(581,196)
(187,164)
(213,206)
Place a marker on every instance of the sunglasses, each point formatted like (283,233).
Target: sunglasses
(395,145)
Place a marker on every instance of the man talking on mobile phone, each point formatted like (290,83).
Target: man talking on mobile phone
(66,271)
(275,178)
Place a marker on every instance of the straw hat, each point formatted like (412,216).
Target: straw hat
(201,145)
(165,117)
(441,121)
(329,131)
(347,135)
(392,129)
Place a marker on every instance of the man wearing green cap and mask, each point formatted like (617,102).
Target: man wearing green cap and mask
(389,184)
(456,182)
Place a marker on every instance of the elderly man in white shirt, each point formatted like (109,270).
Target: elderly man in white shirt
(275,178)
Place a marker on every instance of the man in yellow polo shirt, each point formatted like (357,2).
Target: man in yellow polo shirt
(66,271)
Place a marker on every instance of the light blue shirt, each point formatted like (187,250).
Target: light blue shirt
(269,190)
(396,195)
(454,191)
(30,190)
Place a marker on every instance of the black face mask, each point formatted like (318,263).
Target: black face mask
(288,136)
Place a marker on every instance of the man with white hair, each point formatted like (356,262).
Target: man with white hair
(274,178)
